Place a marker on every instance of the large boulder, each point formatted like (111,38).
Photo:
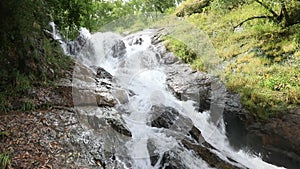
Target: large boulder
(169,118)
(277,138)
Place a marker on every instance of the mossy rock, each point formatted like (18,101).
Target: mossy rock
(192,6)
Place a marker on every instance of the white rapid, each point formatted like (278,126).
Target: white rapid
(140,71)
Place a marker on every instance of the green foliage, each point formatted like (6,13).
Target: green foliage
(22,82)
(226,5)
(4,161)
(132,23)
(3,134)
(190,7)
(72,14)
(28,106)
(180,49)
(159,5)
(261,58)
(27,56)
(280,82)
(282,11)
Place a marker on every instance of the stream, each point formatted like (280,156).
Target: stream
(159,129)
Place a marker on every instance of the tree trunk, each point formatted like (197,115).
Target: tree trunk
(286,16)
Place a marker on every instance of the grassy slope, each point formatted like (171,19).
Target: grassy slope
(261,59)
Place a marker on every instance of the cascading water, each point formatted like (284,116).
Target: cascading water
(141,71)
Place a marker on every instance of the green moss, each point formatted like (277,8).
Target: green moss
(191,6)
(180,49)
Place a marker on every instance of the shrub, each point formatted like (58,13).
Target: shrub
(180,49)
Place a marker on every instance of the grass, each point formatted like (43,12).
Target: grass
(181,50)
(261,59)
(4,158)
(4,161)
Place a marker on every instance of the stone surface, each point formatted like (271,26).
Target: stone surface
(102,73)
(169,118)
(278,138)
(119,49)
(212,159)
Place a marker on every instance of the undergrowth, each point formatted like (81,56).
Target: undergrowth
(261,59)
(4,158)
(4,161)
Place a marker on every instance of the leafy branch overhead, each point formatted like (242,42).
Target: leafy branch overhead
(286,12)
(282,11)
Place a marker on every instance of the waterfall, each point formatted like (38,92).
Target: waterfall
(159,122)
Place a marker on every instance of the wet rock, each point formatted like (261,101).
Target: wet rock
(157,38)
(170,59)
(196,135)
(166,160)
(212,159)
(90,89)
(169,118)
(119,49)
(207,92)
(235,119)
(74,47)
(138,41)
(188,84)
(171,160)
(107,125)
(119,126)
(154,155)
(103,74)
(105,99)
(277,139)
(83,76)
(121,95)
(82,97)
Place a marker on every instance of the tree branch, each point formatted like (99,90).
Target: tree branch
(285,12)
(254,17)
(268,8)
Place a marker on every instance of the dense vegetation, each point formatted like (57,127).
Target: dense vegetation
(29,56)
(259,44)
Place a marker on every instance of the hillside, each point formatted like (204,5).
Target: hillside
(261,58)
